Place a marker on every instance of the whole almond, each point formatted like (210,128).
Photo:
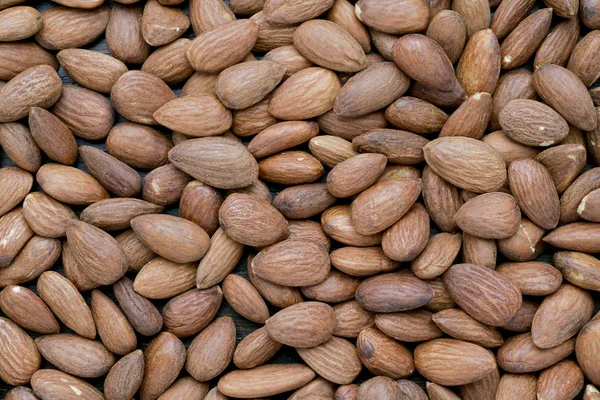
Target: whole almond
(439,392)
(442,200)
(61,26)
(510,149)
(588,208)
(289,103)
(405,240)
(163,360)
(267,380)
(303,201)
(114,330)
(362,261)
(355,174)
(246,6)
(170,62)
(52,136)
(164,185)
(453,362)
(316,321)
(511,385)
(532,278)
(522,42)
(442,300)
(342,13)
(214,50)
(336,360)
(493,215)
(336,223)
(349,128)
(136,253)
(17,23)
(578,236)
(515,84)
(66,303)
(331,150)
(471,118)
(586,347)
(588,14)
(460,325)
(292,12)
(206,15)
(124,34)
(161,24)
(245,299)
(19,145)
(146,91)
(113,174)
(195,116)
(50,383)
(190,312)
(200,83)
(200,204)
(448,29)
(272,35)
(211,351)
(279,296)
(138,146)
(484,388)
(384,356)
(37,256)
(563,379)
(479,67)
(282,136)
(476,14)
(162,278)
(558,45)
(290,58)
(21,393)
(582,61)
(578,268)
(564,163)
(116,214)
(335,288)
(555,84)
(351,319)
(408,326)
(125,377)
(91,69)
(141,313)
(492,298)
(187,388)
(406,16)
(399,147)
(380,293)
(318,387)
(15,185)
(26,309)
(222,257)
(290,168)
(548,329)
(16,232)
(19,56)
(252,120)
(509,15)
(438,255)
(532,123)
(415,115)
(571,198)
(378,388)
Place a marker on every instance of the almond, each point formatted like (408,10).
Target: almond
(378,388)
(349,128)
(161,24)
(75,355)
(517,385)
(164,185)
(309,230)
(564,163)
(355,174)
(113,328)
(554,84)
(453,362)
(448,29)
(318,387)
(442,200)
(136,253)
(113,174)
(331,150)
(336,360)
(222,257)
(290,58)
(416,115)
(578,236)
(52,136)
(571,198)
(61,26)
(17,302)
(66,303)
(460,325)
(588,15)
(19,146)
(163,360)
(37,256)
(342,13)
(277,295)
(303,201)
(558,45)
(408,326)
(406,16)
(252,120)
(493,215)
(282,136)
(566,9)
(479,251)
(438,255)
(208,14)
(141,313)
(351,319)
(125,377)
(91,69)
(21,393)
(479,67)
(482,389)
(292,12)
(362,261)
(509,15)
(116,214)
(187,388)
(515,84)
(16,232)
(146,91)
(578,268)
(124,34)
(445,99)
(200,204)
(399,147)
(483,293)
(255,349)
(17,23)
(439,392)
(161,278)
(50,383)
(561,315)
(226,40)
(170,62)
(582,61)
(245,299)
(381,293)
(246,6)
(522,42)
(15,185)
(190,312)
(563,379)
(19,56)
(314,322)
(532,278)
(195,116)
(405,240)
(384,356)
(267,380)
(337,224)
(212,350)
(272,35)
(200,83)
(586,348)
(442,300)
(471,118)
(532,123)
(476,14)
(138,146)
(20,358)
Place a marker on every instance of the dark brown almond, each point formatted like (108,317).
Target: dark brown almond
(439,360)
(349,128)
(37,256)
(303,201)
(20,147)
(515,84)
(141,313)
(381,293)
(445,99)
(378,388)
(493,215)
(91,69)
(164,185)
(523,41)
(448,29)
(26,309)
(61,26)
(442,200)
(400,17)
(124,34)
(471,118)
(561,315)
(137,95)
(483,293)
(222,257)
(190,312)
(564,163)
(52,136)
(163,360)
(112,173)
(508,15)
(161,278)
(138,146)
(582,61)
(558,45)
(313,324)
(564,92)
(479,67)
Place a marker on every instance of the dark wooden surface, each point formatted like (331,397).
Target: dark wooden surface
(243,326)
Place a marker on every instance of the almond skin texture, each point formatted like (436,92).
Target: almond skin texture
(355,174)
(290,168)
(37,256)
(137,95)
(164,185)
(548,330)
(141,313)
(113,174)
(471,118)
(255,79)
(404,240)
(559,44)
(162,25)
(380,293)
(19,56)
(400,147)
(362,261)
(460,325)
(303,201)
(61,27)
(219,261)
(453,362)
(467,163)
(138,146)
(408,326)
(20,358)
(66,303)
(371,212)
(448,29)
(342,13)
(125,377)
(398,17)
(531,184)
(15,185)
(337,224)
(578,236)
(442,200)
(293,12)
(519,354)
(563,379)
(245,299)
(335,288)
(206,15)
(282,136)
(116,214)
(313,321)
(171,237)
(75,355)
(493,215)
(585,349)
(53,384)
(211,351)
(532,123)
(370,90)
(17,23)
(438,255)
(514,385)
(415,115)
(336,360)
(438,72)
(29,311)
(124,34)
(522,42)
(195,116)
(222,47)
(384,356)
(187,388)
(572,196)
(267,380)
(564,92)
(578,268)
(252,221)
(170,62)
(532,278)
(38,86)
(200,204)
(484,294)
(162,278)
(92,69)
(328,45)
(19,145)
(163,358)
(479,66)
(187,314)
(218,162)
(52,136)
(508,15)
(564,163)
(320,88)
(515,84)
(114,330)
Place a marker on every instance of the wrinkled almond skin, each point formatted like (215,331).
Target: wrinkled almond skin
(406,16)
(471,118)
(563,380)
(170,62)
(448,29)
(92,69)
(255,79)
(439,360)
(532,278)
(21,358)
(460,325)
(351,319)
(479,67)
(282,136)
(114,330)
(513,385)
(514,84)
(293,12)
(532,123)
(519,354)
(355,174)
(313,321)
(186,388)
(290,168)
(164,185)
(522,42)
(362,261)
(26,309)
(138,146)
(197,116)
(303,201)
(336,360)
(415,115)
(484,294)
(437,256)
(52,136)
(493,215)
(211,351)
(125,377)
(162,278)
(558,45)
(580,269)
(564,162)
(141,313)
(380,293)
(405,240)
(50,383)
(19,56)
(163,360)
(124,34)
(20,147)
(400,147)
(245,299)
(586,346)
(38,255)
(384,356)
(61,26)
(190,312)
(162,25)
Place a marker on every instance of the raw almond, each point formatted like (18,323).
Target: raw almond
(476,14)
(185,388)
(588,15)
(124,34)
(471,118)
(442,200)
(138,146)
(277,295)
(563,379)
(351,319)
(384,356)
(405,240)
(267,380)
(221,258)
(164,185)
(381,293)
(362,261)
(195,116)
(114,330)
(336,360)
(571,198)
(206,15)
(586,347)
(290,58)
(161,278)
(342,13)
(336,223)
(408,326)
(379,387)
(37,256)
(448,29)
(493,215)
(460,325)
(161,24)
(349,128)
(515,84)
(282,136)
(141,313)
(21,393)
(17,23)
(313,321)
(51,383)
(483,293)
(479,67)
(522,42)
(355,174)
(564,163)
(17,302)
(438,255)
(245,299)
(292,12)
(272,35)
(190,312)
(517,385)
(303,201)
(116,214)
(532,123)
(136,253)
(19,56)
(532,278)
(415,115)
(16,232)
(509,15)
(252,120)
(400,147)
(577,236)
(170,62)
(335,288)
(211,351)
(125,377)
(578,268)
(15,185)
(406,16)
(331,150)
(91,69)
(163,360)
(558,45)
(290,168)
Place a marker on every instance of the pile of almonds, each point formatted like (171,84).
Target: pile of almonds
(424,175)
